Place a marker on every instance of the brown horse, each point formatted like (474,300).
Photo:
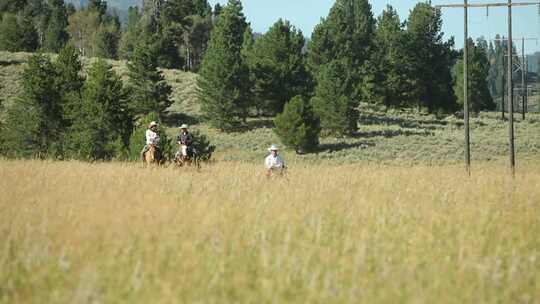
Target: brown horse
(151,156)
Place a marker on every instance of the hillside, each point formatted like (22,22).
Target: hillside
(183,83)
(394,137)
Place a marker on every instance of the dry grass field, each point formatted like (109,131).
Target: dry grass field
(116,233)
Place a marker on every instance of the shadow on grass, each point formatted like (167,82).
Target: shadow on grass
(391,133)
(10,62)
(176,119)
(378,119)
(253,124)
(340,146)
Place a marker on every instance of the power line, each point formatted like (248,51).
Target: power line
(466,6)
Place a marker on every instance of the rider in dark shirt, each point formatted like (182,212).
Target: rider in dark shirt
(185,139)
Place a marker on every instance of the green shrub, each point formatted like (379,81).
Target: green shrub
(202,145)
(297,126)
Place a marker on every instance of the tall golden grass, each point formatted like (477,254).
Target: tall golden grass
(116,233)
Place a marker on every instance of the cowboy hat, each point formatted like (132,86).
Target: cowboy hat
(153,123)
(183,126)
(273,148)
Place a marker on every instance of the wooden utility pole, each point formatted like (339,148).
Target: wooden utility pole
(510,93)
(502,88)
(523,78)
(509,4)
(466,89)
(526,89)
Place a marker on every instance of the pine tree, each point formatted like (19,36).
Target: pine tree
(98,6)
(9,35)
(336,111)
(478,91)
(432,59)
(33,123)
(392,71)
(224,76)
(29,39)
(12,6)
(493,70)
(278,66)
(149,92)
(17,33)
(247,58)
(69,69)
(202,8)
(344,38)
(106,41)
(131,33)
(297,126)
(69,81)
(56,35)
(102,122)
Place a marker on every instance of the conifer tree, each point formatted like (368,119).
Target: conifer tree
(131,33)
(56,35)
(149,92)
(106,41)
(297,126)
(478,91)
(33,123)
(101,123)
(69,81)
(393,67)
(278,66)
(224,76)
(432,59)
(69,68)
(9,38)
(335,109)
(343,39)
(17,32)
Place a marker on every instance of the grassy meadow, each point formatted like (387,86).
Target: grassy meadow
(117,233)
(385,216)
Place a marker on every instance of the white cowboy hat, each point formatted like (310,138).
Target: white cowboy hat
(183,126)
(273,148)
(153,123)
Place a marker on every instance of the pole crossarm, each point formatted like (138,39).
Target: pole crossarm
(520,39)
(497,4)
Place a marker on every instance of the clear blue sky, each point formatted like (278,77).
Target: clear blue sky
(305,14)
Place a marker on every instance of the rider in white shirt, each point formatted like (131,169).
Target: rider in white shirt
(274,161)
(152,138)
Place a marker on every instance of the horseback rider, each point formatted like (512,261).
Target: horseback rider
(274,161)
(152,138)
(185,141)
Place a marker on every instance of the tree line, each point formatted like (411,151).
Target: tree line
(64,112)
(177,30)
(311,88)
(352,57)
